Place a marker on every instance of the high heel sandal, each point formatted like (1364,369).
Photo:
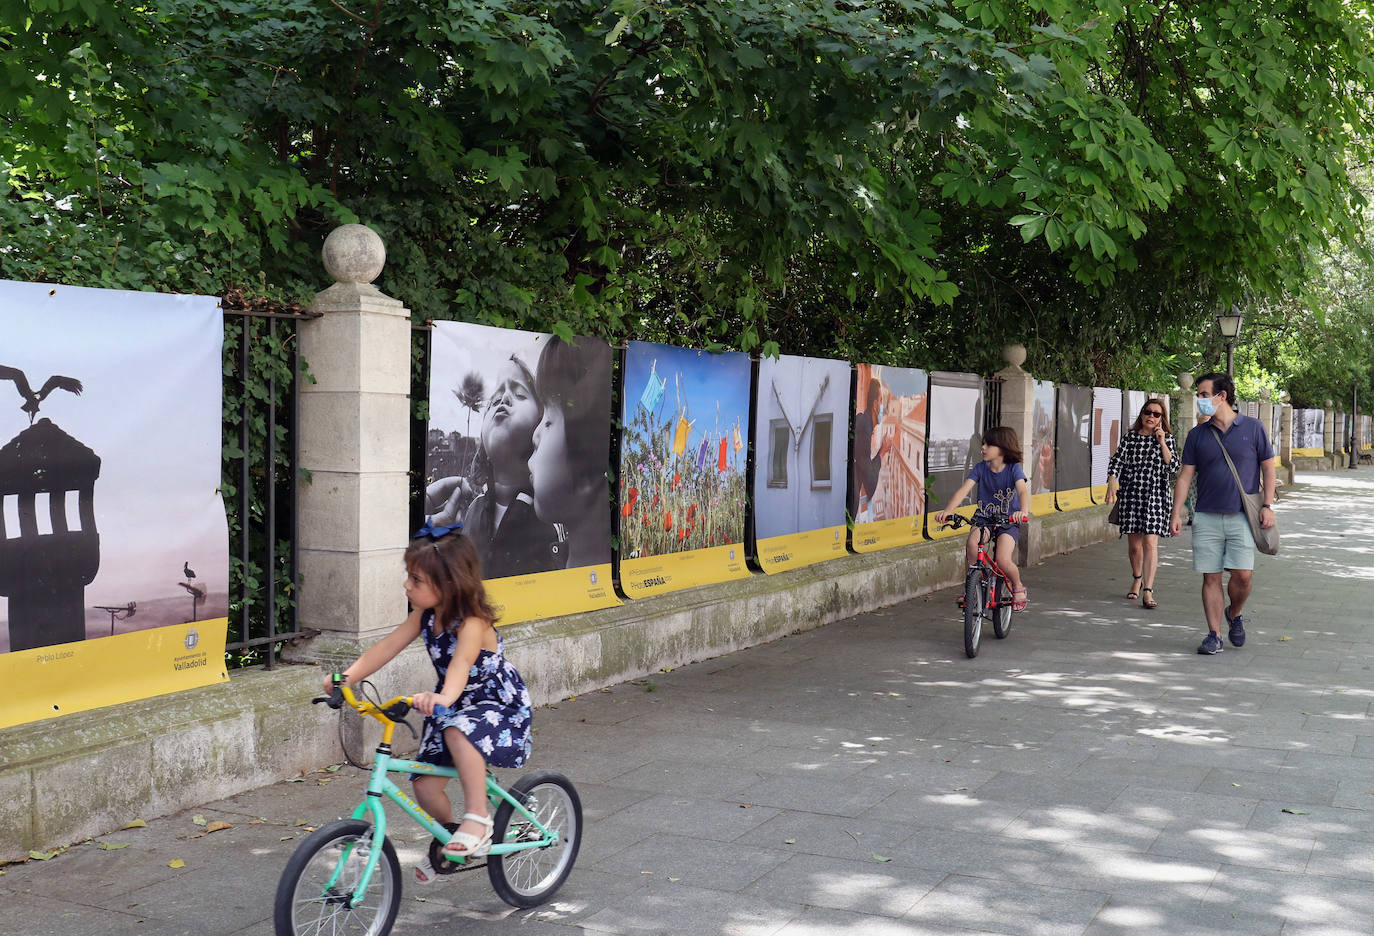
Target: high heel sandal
(1148,603)
(1134,593)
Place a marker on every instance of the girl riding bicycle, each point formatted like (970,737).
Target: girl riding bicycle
(487,716)
(1001,487)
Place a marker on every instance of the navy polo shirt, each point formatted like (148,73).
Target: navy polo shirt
(1246,442)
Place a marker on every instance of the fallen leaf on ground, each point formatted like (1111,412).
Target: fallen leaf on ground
(878,857)
(1294,812)
(198,820)
(42,856)
(136,824)
(176,863)
(112,846)
(789,841)
(219,825)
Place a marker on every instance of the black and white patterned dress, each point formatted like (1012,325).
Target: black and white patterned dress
(1145,483)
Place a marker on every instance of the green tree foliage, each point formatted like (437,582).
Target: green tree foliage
(908,181)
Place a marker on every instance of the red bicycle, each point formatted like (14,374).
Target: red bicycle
(987,590)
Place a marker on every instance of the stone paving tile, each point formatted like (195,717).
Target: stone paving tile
(1007,906)
(814,880)
(674,909)
(1000,857)
(695,862)
(1144,803)
(1133,875)
(1237,846)
(960,810)
(824,921)
(718,820)
(1302,899)
(854,839)
(1262,784)
(1126,917)
(1074,825)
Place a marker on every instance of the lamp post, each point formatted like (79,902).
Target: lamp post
(1229,326)
(1354,421)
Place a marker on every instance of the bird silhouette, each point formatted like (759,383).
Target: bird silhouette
(31,399)
(187,571)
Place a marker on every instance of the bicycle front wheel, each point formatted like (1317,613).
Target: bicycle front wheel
(530,877)
(975,606)
(1001,612)
(307,903)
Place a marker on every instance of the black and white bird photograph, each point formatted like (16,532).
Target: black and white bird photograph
(110,424)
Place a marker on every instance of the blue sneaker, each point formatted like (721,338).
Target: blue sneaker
(1237,623)
(1211,644)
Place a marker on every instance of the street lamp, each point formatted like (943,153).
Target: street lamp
(1229,326)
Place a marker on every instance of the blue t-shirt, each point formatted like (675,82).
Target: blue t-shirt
(998,488)
(1246,442)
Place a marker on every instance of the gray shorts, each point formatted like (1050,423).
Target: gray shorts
(1222,541)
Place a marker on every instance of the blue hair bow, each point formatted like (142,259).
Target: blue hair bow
(434,532)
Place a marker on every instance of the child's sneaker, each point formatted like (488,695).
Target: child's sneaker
(1211,644)
(1237,623)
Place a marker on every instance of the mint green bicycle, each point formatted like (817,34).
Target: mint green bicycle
(345,878)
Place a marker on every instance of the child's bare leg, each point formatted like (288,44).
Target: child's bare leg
(433,798)
(971,547)
(472,774)
(1006,559)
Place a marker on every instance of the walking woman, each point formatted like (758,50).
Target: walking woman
(1142,473)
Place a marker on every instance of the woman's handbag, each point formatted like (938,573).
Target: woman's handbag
(1266,541)
(1114,515)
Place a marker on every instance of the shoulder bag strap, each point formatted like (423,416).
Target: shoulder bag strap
(1232,465)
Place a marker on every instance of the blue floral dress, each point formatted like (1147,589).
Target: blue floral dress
(493,710)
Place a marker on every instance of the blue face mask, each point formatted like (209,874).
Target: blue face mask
(1207,406)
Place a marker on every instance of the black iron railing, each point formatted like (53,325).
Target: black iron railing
(261,475)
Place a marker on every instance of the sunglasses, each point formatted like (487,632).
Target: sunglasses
(1153,414)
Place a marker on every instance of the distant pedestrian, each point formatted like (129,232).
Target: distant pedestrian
(1141,473)
(1222,540)
(1002,487)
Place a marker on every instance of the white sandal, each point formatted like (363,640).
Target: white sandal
(471,846)
(425,873)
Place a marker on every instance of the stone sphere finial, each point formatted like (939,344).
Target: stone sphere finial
(1185,381)
(1014,354)
(1265,395)
(353,253)
(1284,397)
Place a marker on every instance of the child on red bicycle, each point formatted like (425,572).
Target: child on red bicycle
(1001,487)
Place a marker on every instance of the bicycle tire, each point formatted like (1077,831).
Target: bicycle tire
(529,878)
(1001,611)
(975,606)
(304,907)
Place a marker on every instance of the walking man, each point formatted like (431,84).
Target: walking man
(1222,541)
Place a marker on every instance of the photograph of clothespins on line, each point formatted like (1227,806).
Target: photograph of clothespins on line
(683,450)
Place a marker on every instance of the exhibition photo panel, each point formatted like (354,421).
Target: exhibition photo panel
(1040,453)
(1073,447)
(683,462)
(955,445)
(114,545)
(887,487)
(517,452)
(801,441)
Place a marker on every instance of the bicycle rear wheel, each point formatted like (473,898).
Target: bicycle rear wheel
(975,607)
(307,904)
(1001,611)
(530,877)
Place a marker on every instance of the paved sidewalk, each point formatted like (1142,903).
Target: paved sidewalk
(1089,775)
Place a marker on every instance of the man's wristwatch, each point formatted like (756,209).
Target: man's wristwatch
(1270,506)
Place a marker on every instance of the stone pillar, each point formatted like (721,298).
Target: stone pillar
(1329,431)
(355,442)
(1018,411)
